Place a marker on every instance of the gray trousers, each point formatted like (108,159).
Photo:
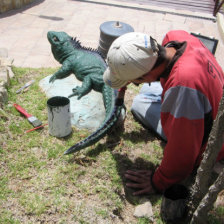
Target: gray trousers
(146,107)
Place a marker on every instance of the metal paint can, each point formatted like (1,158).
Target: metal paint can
(59,118)
(174,204)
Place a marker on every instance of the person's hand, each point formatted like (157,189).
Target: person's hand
(142,179)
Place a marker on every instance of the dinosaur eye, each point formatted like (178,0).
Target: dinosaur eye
(55,39)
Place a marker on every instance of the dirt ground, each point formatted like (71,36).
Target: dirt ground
(40,185)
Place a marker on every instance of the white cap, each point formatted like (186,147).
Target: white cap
(129,57)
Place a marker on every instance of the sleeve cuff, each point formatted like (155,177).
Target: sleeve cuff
(119,102)
(123,89)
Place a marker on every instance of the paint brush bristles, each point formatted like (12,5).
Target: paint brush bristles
(34,121)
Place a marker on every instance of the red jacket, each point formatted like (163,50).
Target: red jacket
(191,92)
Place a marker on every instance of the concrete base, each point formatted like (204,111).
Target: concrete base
(86,113)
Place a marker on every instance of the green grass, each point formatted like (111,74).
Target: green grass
(216,216)
(7,218)
(102,212)
(34,203)
(143,221)
(4,190)
(220,211)
(39,184)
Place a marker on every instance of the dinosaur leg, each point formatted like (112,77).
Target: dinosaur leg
(63,72)
(81,91)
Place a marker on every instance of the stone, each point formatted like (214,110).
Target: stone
(144,210)
(6,61)
(3,95)
(86,113)
(10,72)
(2,83)
(4,76)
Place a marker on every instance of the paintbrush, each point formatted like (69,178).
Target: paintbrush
(33,120)
(25,86)
(36,128)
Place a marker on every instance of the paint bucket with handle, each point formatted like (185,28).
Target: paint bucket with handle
(59,118)
(173,206)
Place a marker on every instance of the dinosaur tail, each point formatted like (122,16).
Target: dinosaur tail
(112,115)
(98,134)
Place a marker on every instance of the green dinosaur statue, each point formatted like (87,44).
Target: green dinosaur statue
(88,66)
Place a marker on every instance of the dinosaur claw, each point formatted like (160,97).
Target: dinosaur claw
(74,89)
(52,79)
(71,95)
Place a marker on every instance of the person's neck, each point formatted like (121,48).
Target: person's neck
(156,73)
(170,52)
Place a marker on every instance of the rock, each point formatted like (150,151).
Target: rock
(86,113)
(6,62)
(2,83)
(10,72)
(144,210)
(3,95)
(4,76)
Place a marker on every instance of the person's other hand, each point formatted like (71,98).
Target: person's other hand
(142,179)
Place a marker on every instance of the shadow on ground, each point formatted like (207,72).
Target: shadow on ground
(124,163)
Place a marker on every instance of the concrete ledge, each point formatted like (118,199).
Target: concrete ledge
(220,21)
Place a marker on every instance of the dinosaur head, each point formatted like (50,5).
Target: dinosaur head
(60,44)
(57,38)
